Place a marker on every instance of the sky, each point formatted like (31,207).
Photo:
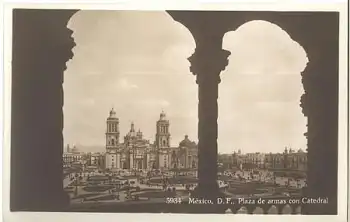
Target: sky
(136,62)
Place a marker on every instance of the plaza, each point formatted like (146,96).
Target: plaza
(89,189)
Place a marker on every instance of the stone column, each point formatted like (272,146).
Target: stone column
(320,105)
(208,60)
(42,45)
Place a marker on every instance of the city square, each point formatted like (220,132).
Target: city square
(139,171)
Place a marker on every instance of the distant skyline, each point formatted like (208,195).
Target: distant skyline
(102,148)
(141,70)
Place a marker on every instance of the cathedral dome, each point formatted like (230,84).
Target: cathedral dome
(132,133)
(187,143)
(75,150)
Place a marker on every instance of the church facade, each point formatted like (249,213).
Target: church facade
(137,153)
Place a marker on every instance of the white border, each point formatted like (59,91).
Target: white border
(180,5)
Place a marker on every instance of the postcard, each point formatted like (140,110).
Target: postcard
(219,109)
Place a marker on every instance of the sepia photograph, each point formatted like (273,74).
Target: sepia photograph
(177,111)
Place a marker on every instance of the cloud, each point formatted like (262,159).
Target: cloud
(141,70)
(153,102)
(261,89)
(92,73)
(124,84)
(88,102)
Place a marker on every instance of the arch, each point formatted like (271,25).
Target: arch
(170,41)
(297,210)
(258,210)
(228,211)
(272,210)
(265,66)
(194,165)
(242,210)
(125,165)
(287,209)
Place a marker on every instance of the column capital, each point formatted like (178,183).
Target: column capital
(207,63)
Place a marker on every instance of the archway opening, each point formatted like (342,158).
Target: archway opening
(260,92)
(120,62)
(272,210)
(130,65)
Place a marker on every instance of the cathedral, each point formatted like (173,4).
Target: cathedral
(135,152)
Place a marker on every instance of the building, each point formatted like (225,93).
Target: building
(255,160)
(137,153)
(72,156)
(96,159)
(296,160)
(290,160)
(186,156)
(226,161)
(161,147)
(238,159)
(274,161)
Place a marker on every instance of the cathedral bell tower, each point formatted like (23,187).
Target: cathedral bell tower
(162,135)
(112,133)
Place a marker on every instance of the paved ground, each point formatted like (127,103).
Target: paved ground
(122,194)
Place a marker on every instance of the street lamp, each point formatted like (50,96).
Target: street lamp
(76,184)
